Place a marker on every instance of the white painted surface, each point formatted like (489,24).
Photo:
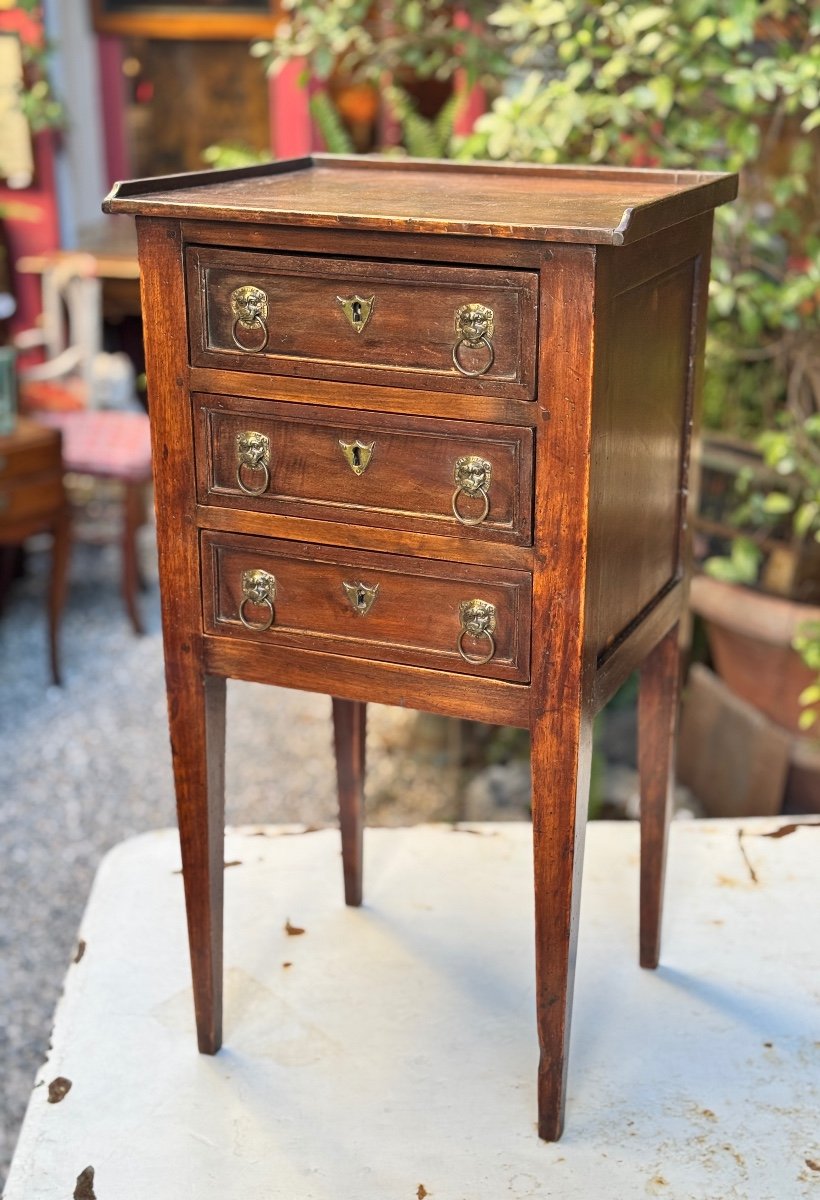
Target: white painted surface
(399,1048)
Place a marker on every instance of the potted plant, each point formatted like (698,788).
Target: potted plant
(374,72)
(765,594)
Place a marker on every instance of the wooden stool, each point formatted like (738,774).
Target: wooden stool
(422,436)
(32,500)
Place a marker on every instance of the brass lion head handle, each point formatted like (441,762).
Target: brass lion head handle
(258,589)
(249,306)
(478,620)
(472,476)
(475,325)
(252,453)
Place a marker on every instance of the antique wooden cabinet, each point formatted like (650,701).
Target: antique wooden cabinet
(422,436)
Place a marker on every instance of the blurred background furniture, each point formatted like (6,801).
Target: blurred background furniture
(33,500)
(89,396)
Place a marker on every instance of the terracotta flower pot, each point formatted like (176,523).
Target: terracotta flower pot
(750,636)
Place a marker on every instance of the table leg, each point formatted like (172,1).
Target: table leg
(349,725)
(657,721)
(197,722)
(561,758)
(56,599)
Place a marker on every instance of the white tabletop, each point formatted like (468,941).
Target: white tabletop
(398,1050)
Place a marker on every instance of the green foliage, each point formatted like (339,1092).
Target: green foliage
(330,124)
(417,38)
(699,84)
(344,40)
(35,97)
(423,137)
(741,566)
(807,644)
(224,155)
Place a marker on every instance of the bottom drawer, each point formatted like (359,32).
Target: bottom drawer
(450,616)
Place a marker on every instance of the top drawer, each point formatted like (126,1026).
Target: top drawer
(443,328)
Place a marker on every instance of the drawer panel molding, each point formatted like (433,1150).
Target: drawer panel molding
(445,328)
(383,607)
(416,474)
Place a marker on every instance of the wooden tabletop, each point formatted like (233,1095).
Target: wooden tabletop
(609,206)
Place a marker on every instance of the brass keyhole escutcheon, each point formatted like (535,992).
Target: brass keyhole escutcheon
(472,476)
(357,309)
(259,590)
(361,596)
(252,453)
(249,306)
(358,455)
(478,620)
(475,325)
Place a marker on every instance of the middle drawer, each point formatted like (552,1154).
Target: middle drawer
(411,473)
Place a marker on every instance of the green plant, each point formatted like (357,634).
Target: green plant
(807,645)
(701,84)
(345,40)
(224,155)
(35,98)
(784,503)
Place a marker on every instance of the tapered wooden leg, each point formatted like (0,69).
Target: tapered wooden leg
(56,599)
(561,756)
(657,722)
(197,721)
(133,515)
(349,725)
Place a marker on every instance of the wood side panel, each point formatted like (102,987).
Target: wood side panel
(640,440)
(635,643)
(406,481)
(449,695)
(414,618)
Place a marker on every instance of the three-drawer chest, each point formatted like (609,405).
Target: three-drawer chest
(422,435)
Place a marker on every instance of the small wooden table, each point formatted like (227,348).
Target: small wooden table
(422,436)
(33,500)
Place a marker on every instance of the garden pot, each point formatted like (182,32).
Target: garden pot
(750,636)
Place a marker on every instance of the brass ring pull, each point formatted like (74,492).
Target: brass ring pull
(475,324)
(482,341)
(251,491)
(259,588)
(478,619)
(249,325)
(253,452)
(249,624)
(477,660)
(249,305)
(471,520)
(472,476)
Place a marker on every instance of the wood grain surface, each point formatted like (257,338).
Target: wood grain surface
(407,484)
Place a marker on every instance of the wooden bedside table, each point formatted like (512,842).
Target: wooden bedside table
(33,500)
(421,436)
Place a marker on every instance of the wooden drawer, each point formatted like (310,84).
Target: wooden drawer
(321,594)
(407,473)
(354,321)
